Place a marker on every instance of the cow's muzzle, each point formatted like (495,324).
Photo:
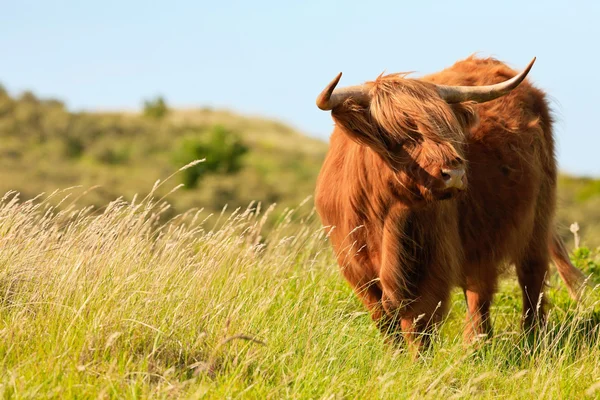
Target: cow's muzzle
(454,178)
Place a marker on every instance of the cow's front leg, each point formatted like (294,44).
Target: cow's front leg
(414,296)
(424,312)
(417,314)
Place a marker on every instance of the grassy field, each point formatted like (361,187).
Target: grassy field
(115,303)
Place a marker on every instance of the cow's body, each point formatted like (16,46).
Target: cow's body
(403,260)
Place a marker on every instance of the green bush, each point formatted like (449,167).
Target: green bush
(587,261)
(108,152)
(221,149)
(156,108)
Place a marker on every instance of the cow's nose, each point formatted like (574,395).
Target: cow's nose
(454,178)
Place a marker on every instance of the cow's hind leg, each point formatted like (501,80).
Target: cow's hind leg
(532,270)
(532,267)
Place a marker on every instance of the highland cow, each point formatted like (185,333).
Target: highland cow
(438,182)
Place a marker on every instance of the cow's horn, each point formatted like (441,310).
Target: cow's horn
(331,97)
(480,94)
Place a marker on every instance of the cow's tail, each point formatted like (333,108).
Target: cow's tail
(574,279)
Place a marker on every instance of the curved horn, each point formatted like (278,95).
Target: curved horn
(331,97)
(480,94)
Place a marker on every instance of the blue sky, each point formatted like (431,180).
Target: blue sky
(272,58)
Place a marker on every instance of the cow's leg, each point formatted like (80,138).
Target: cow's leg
(532,264)
(419,304)
(424,313)
(532,270)
(370,295)
(360,275)
(395,284)
(416,295)
(479,287)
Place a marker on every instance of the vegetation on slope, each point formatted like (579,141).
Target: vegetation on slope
(45,147)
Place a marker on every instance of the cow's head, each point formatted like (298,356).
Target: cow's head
(417,127)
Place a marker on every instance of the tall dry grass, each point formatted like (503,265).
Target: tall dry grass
(119,303)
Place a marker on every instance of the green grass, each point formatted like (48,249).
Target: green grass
(118,304)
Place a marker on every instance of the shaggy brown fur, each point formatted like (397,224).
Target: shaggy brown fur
(402,239)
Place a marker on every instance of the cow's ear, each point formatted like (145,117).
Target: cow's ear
(466,115)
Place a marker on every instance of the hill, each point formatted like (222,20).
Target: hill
(45,147)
